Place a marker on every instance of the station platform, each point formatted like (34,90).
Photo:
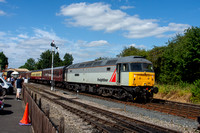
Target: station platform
(11,115)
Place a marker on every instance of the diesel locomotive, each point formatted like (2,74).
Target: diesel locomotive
(130,77)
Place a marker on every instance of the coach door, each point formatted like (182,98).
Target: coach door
(118,73)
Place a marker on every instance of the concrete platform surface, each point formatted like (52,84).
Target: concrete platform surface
(11,115)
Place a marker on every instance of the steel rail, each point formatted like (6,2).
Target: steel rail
(101,124)
(125,121)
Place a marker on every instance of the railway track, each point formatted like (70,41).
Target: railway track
(93,115)
(189,111)
(185,110)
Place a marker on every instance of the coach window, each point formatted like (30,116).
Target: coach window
(125,67)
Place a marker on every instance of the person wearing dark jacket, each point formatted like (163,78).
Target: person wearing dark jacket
(19,83)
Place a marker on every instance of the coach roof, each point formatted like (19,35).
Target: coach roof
(109,62)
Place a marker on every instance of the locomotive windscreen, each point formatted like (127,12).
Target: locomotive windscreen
(141,67)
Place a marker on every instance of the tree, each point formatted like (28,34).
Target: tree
(68,59)
(190,54)
(101,58)
(57,61)
(155,55)
(30,64)
(45,60)
(3,61)
(182,58)
(128,51)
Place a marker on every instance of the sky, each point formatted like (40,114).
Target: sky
(89,29)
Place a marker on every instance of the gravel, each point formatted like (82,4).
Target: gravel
(154,117)
(76,125)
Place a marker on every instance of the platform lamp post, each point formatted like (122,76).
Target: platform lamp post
(52,51)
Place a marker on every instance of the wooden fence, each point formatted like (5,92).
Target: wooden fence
(39,120)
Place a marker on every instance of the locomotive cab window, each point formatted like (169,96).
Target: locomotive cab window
(125,67)
(136,67)
(148,67)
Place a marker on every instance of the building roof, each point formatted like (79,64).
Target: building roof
(17,69)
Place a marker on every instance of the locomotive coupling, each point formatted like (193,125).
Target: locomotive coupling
(154,90)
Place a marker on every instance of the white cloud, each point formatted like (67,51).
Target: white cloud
(2,1)
(138,46)
(2,34)
(2,13)
(97,43)
(23,36)
(126,7)
(20,47)
(99,16)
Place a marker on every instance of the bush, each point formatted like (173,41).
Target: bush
(195,90)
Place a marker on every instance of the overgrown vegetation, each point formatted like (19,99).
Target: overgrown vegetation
(196,92)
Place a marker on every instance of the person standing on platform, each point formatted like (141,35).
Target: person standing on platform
(19,83)
(12,81)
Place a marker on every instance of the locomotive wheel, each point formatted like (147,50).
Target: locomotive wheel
(99,92)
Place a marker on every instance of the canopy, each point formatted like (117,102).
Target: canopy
(14,73)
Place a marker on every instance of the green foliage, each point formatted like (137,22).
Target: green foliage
(68,59)
(179,61)
(155,56)
(128,51)
(57,61)
(180,88)
(3,60)
(196,92)
(30,64)
(45,61)
(101,58)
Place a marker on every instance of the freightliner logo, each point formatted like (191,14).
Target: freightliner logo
(102,80)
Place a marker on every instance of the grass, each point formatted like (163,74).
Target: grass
(181,89)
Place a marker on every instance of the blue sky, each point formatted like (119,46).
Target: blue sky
(89,29)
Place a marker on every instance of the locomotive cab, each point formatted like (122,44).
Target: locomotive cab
(135,74)
(138,77)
